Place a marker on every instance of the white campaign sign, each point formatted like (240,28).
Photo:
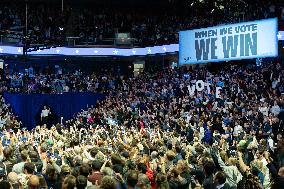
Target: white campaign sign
(200,86)
(229,42)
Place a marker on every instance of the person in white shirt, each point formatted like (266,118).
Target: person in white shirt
(66,89)
(264,109)
(201,131)
(45,114)
(275,109)
(237,129)
(19,167)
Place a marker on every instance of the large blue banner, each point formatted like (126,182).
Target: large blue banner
(229,42)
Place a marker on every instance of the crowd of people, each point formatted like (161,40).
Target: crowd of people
(48,24)
(158,131)
(58,83)
(177,128)
(7,118)
(44,23)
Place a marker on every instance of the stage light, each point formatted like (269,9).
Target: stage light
(212,10)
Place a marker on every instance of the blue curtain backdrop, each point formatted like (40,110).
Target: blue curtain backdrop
(28,106)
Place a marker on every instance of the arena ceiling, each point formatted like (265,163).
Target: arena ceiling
(98,1)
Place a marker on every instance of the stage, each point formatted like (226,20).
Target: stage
(28,107)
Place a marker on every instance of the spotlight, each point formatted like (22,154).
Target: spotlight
(212,10)
(192,4)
